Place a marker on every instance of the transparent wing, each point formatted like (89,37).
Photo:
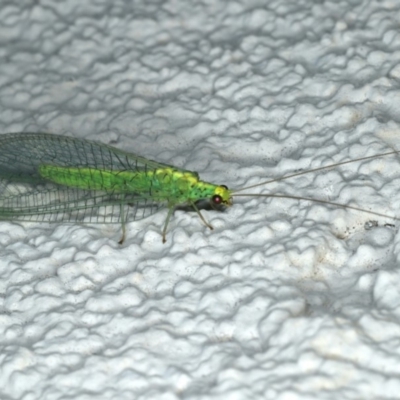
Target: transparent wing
(25,195)
(69,205)
(22,153)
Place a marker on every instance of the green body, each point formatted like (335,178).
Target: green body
(162,184)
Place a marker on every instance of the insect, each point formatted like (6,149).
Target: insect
(45,177)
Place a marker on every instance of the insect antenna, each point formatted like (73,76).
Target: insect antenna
(313,170)
(331,203)
(235,192)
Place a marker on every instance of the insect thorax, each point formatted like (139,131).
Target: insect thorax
(181,186)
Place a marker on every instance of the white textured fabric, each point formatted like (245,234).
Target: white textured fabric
(285,299)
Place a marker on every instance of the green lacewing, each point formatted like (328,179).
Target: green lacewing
(49,178)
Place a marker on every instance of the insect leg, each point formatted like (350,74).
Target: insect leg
(200,215)
(122,224)
(164,231)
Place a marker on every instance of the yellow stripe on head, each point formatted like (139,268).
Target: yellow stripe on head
(224,194)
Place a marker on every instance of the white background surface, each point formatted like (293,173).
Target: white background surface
(284,299)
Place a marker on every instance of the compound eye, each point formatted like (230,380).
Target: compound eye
(224,186)
(217,199)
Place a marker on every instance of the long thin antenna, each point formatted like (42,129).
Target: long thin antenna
(313,170)
(331,203)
